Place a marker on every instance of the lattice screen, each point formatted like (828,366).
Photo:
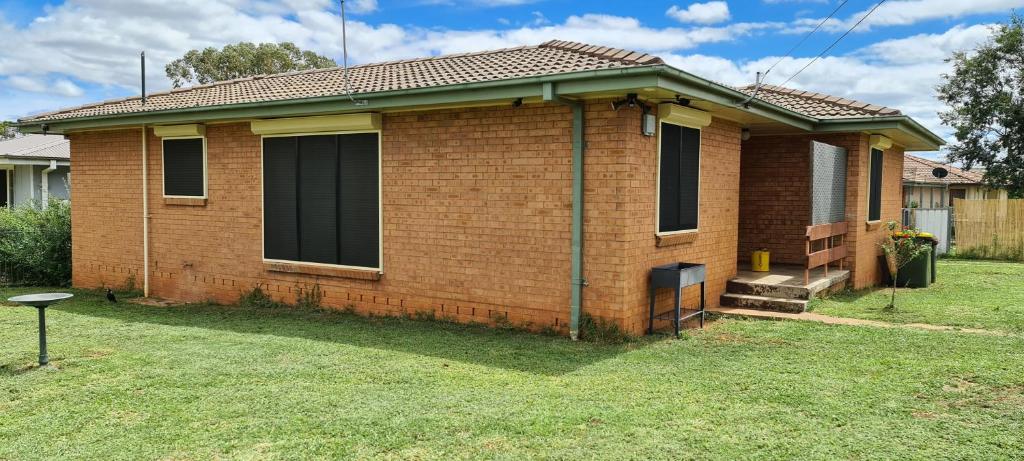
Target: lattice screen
(828,183)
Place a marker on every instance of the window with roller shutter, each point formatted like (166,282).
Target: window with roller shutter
(678,179)
(321,199)
(875,185)
(184,164)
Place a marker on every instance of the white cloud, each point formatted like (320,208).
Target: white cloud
(24,83)
(361,6)
(701,13)
(42,84)
(907,12)
(65,87)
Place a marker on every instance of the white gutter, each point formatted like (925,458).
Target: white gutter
(19,161)
(45,192)
(145,214)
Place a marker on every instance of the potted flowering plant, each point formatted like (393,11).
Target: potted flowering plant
(901,245)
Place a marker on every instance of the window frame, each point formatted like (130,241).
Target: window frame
(380,204)
(881,185)
(163,168)
(657,181)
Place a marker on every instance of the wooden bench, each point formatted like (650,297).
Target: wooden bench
(822,247)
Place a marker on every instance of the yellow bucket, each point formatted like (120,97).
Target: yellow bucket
(759,261)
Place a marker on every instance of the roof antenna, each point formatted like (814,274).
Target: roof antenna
(142,59)
(757,87)
(344,63)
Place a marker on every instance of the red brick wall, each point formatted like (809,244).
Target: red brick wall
(715,242)
(775,206)
(476,217)
(864,238)
(106,236)
(775,209)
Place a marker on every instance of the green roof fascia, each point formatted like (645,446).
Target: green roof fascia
(895,122)
(576,82)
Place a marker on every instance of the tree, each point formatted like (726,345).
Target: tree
(985,93)
(901,246)
(7,130)
(242,60)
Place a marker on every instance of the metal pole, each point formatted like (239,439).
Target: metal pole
(43,358)
(142,61)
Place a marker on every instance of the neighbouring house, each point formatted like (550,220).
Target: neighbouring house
(33,169)
(922,189)
(526,185)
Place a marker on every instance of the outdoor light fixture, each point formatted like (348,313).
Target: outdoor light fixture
(745,134)
(631,101)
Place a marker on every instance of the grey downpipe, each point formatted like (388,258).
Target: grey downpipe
(145,212)
(578,147)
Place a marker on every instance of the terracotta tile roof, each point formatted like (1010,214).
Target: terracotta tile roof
(817,104)
(919,170)
(36,147)
(553,57)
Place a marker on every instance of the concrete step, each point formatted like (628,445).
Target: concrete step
(767,303)
(768,290)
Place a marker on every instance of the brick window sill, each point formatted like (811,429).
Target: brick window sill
(180,201)
(873,225)
(675,239)
(335,272)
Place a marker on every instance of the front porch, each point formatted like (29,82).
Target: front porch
(783,288)
(793,204)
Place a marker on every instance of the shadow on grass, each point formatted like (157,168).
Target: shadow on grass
(497,348)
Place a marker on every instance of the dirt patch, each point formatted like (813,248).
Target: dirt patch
(98,353)
(971,396)
(156,302)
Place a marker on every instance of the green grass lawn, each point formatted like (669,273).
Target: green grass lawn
(201,382)
(974,294)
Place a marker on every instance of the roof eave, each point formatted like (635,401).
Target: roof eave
(689,84)
(925,139)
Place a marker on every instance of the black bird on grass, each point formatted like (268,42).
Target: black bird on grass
(110,296)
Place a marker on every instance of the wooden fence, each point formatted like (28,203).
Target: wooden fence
(989,228)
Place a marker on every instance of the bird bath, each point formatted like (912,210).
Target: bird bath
(41,301)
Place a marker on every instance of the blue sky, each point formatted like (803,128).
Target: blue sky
(59,54)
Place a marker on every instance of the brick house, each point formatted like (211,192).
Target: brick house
(530,184)
(922,189)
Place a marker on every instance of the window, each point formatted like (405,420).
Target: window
(184,167)
(678,178)
(321,199)
(5,187)
(875,185)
